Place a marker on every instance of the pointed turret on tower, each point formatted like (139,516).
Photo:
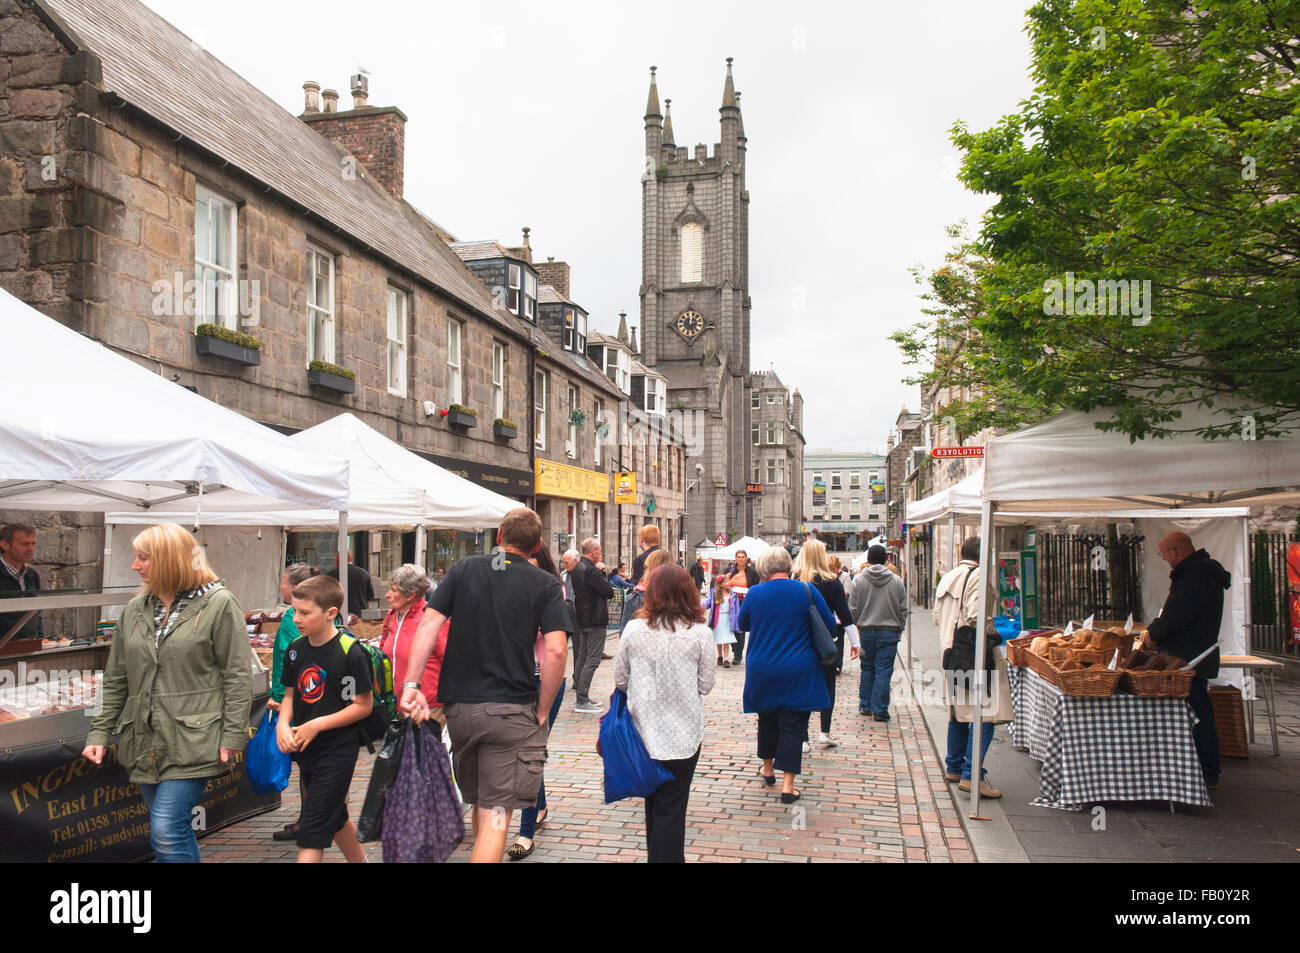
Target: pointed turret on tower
(730,112)
(654,120)
(669,146)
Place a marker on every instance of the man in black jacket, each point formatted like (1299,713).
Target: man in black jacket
(17,549)
(1187,626)
(591,594)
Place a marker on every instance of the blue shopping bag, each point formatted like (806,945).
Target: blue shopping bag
(268,766)
(629,770)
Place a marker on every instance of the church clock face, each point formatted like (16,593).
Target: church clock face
(690,324)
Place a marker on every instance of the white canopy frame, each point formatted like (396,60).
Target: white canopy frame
(1067,463)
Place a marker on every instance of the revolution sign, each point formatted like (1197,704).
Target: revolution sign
(943,452)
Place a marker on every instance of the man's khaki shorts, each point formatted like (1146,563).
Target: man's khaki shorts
(498,752)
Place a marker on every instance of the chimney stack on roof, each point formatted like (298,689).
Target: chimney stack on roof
(360,90)
(556,274)
(376,135)
(311,96)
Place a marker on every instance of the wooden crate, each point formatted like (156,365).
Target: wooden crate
(1229,721)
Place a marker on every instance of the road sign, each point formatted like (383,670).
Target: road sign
(721,540)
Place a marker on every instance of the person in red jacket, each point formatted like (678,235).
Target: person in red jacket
(406,592)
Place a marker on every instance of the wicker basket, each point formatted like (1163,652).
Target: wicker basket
(1093,656)
(1017,649)
(1175,684)
(1091,682)
(1044,668)
(1230,722)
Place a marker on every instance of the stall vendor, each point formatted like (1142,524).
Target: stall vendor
(17,548)
(1187,626)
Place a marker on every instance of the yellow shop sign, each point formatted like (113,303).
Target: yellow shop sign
(625,488)
(572,483)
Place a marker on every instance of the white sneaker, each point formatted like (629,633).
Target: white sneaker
(805,748)
(826,741)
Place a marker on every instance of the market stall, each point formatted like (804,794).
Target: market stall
(69,443)
(390,488)
(1067,464)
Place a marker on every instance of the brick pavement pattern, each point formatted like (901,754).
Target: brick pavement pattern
(879,796)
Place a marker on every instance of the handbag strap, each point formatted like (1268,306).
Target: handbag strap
(961,600)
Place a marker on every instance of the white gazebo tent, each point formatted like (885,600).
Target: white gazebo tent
(1066,464)
(752,546)
(391,488)
(89,430)
(1220,528)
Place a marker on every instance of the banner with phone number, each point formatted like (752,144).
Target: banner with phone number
(57,806)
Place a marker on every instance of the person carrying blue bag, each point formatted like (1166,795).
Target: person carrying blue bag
(665,664)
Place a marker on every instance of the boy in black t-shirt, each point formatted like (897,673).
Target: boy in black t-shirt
(326,692)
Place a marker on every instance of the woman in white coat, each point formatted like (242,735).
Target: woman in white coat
(956,603)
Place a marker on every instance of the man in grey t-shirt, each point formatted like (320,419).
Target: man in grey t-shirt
(878,604)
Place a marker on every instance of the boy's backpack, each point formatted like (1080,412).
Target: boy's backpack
(384,710)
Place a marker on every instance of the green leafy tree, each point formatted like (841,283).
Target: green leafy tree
(1160,146)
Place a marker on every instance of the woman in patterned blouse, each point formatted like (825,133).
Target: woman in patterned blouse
(665,664)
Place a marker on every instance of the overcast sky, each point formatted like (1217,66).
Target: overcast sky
(531,114)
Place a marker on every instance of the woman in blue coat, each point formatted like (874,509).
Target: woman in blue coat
(784,682)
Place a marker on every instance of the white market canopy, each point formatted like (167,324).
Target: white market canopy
(86,429)
(960,499)
(753,549)
(1069,464)
(391,487)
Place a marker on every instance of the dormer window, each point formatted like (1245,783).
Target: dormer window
(618,368)
(654,396)
(530,296)
(582,333)
(516,284)
(568,329)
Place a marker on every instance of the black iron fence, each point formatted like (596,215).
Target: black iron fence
(1269,600)
(1090,574)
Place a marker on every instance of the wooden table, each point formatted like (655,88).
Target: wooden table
(1268,668)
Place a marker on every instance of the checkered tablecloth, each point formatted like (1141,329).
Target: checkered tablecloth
(1121,748)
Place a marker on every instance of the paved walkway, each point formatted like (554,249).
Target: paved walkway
(1256,816)
(879,796)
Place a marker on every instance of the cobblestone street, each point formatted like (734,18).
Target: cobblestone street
(879,796)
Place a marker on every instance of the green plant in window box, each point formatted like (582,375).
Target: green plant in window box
(228,335)
(504,422)
(325,367)
(461,409)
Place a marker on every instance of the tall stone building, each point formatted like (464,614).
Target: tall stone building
(695,301)
(776,487)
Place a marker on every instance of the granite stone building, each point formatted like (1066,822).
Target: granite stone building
(846,494)
(695,303)
(267,261)
(776,487)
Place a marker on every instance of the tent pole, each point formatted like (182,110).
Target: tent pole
(952,540)
(1245,554)
(420,543)
(981,640)
(907,564)
(343,560)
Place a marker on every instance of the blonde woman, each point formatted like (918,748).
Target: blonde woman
(814,568)
(179,680)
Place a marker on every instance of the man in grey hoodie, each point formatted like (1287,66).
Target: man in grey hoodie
(878,604)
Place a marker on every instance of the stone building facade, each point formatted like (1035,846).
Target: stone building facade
(135,211)
(695,301)
(776,485)
(847,494)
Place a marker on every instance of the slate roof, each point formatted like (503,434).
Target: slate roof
(160,71)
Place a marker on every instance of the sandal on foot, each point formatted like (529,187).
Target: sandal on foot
(519,851)
(768,779)
(791,797)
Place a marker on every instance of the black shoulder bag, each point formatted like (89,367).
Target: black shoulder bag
(960,656)
(822,642)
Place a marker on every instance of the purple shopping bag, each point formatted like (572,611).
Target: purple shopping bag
(422,816)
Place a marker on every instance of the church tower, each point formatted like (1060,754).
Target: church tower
(695,302)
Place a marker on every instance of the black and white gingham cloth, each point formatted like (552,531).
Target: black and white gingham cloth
(1121,748)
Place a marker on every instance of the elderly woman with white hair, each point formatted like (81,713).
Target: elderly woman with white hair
(783,677)
(406,591)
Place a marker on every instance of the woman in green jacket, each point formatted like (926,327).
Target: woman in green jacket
(178,685)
